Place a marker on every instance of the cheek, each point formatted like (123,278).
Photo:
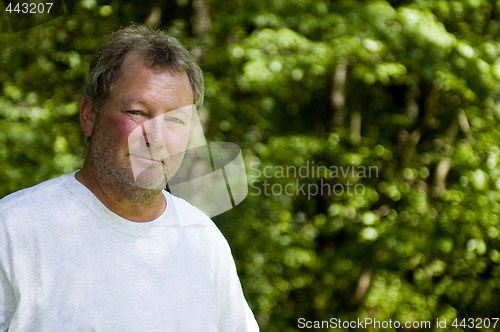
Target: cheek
(177,140)
(119,130)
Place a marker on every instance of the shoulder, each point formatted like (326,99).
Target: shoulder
(45,200)
(198,224)
(40,193)
(187,214)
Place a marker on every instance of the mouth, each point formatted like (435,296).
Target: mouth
(141,164)
(161,161)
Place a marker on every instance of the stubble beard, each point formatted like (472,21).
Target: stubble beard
(114,173)
(118,176)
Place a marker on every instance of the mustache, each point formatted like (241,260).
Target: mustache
(150,158)
(162,157)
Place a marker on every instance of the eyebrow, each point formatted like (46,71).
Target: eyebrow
(139,101)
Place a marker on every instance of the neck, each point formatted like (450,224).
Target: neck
(139,205)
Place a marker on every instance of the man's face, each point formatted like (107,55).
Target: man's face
(140,139)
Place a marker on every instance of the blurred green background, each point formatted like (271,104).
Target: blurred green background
(406,89)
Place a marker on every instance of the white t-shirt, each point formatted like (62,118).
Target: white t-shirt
(67,263)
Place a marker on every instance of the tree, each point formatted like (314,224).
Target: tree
(368,130)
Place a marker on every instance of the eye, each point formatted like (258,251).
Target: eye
(134,112)
(175,120)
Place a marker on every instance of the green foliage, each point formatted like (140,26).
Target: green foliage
(406,89)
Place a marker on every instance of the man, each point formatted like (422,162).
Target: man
(106,248)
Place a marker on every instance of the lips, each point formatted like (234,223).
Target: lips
(162,161)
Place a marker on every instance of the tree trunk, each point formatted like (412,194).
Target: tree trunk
(337,93)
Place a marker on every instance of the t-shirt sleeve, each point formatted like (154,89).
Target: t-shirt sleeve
(236,315)
(251,323)
(7,299)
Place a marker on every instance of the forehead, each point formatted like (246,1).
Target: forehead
(135,61)
(136,73)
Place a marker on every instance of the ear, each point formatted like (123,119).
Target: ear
(87,116)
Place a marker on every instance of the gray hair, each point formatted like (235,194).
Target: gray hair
(157,49)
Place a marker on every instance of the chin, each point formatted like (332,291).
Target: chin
(153,176)
(150,180)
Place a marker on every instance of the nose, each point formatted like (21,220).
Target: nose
(154,132)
